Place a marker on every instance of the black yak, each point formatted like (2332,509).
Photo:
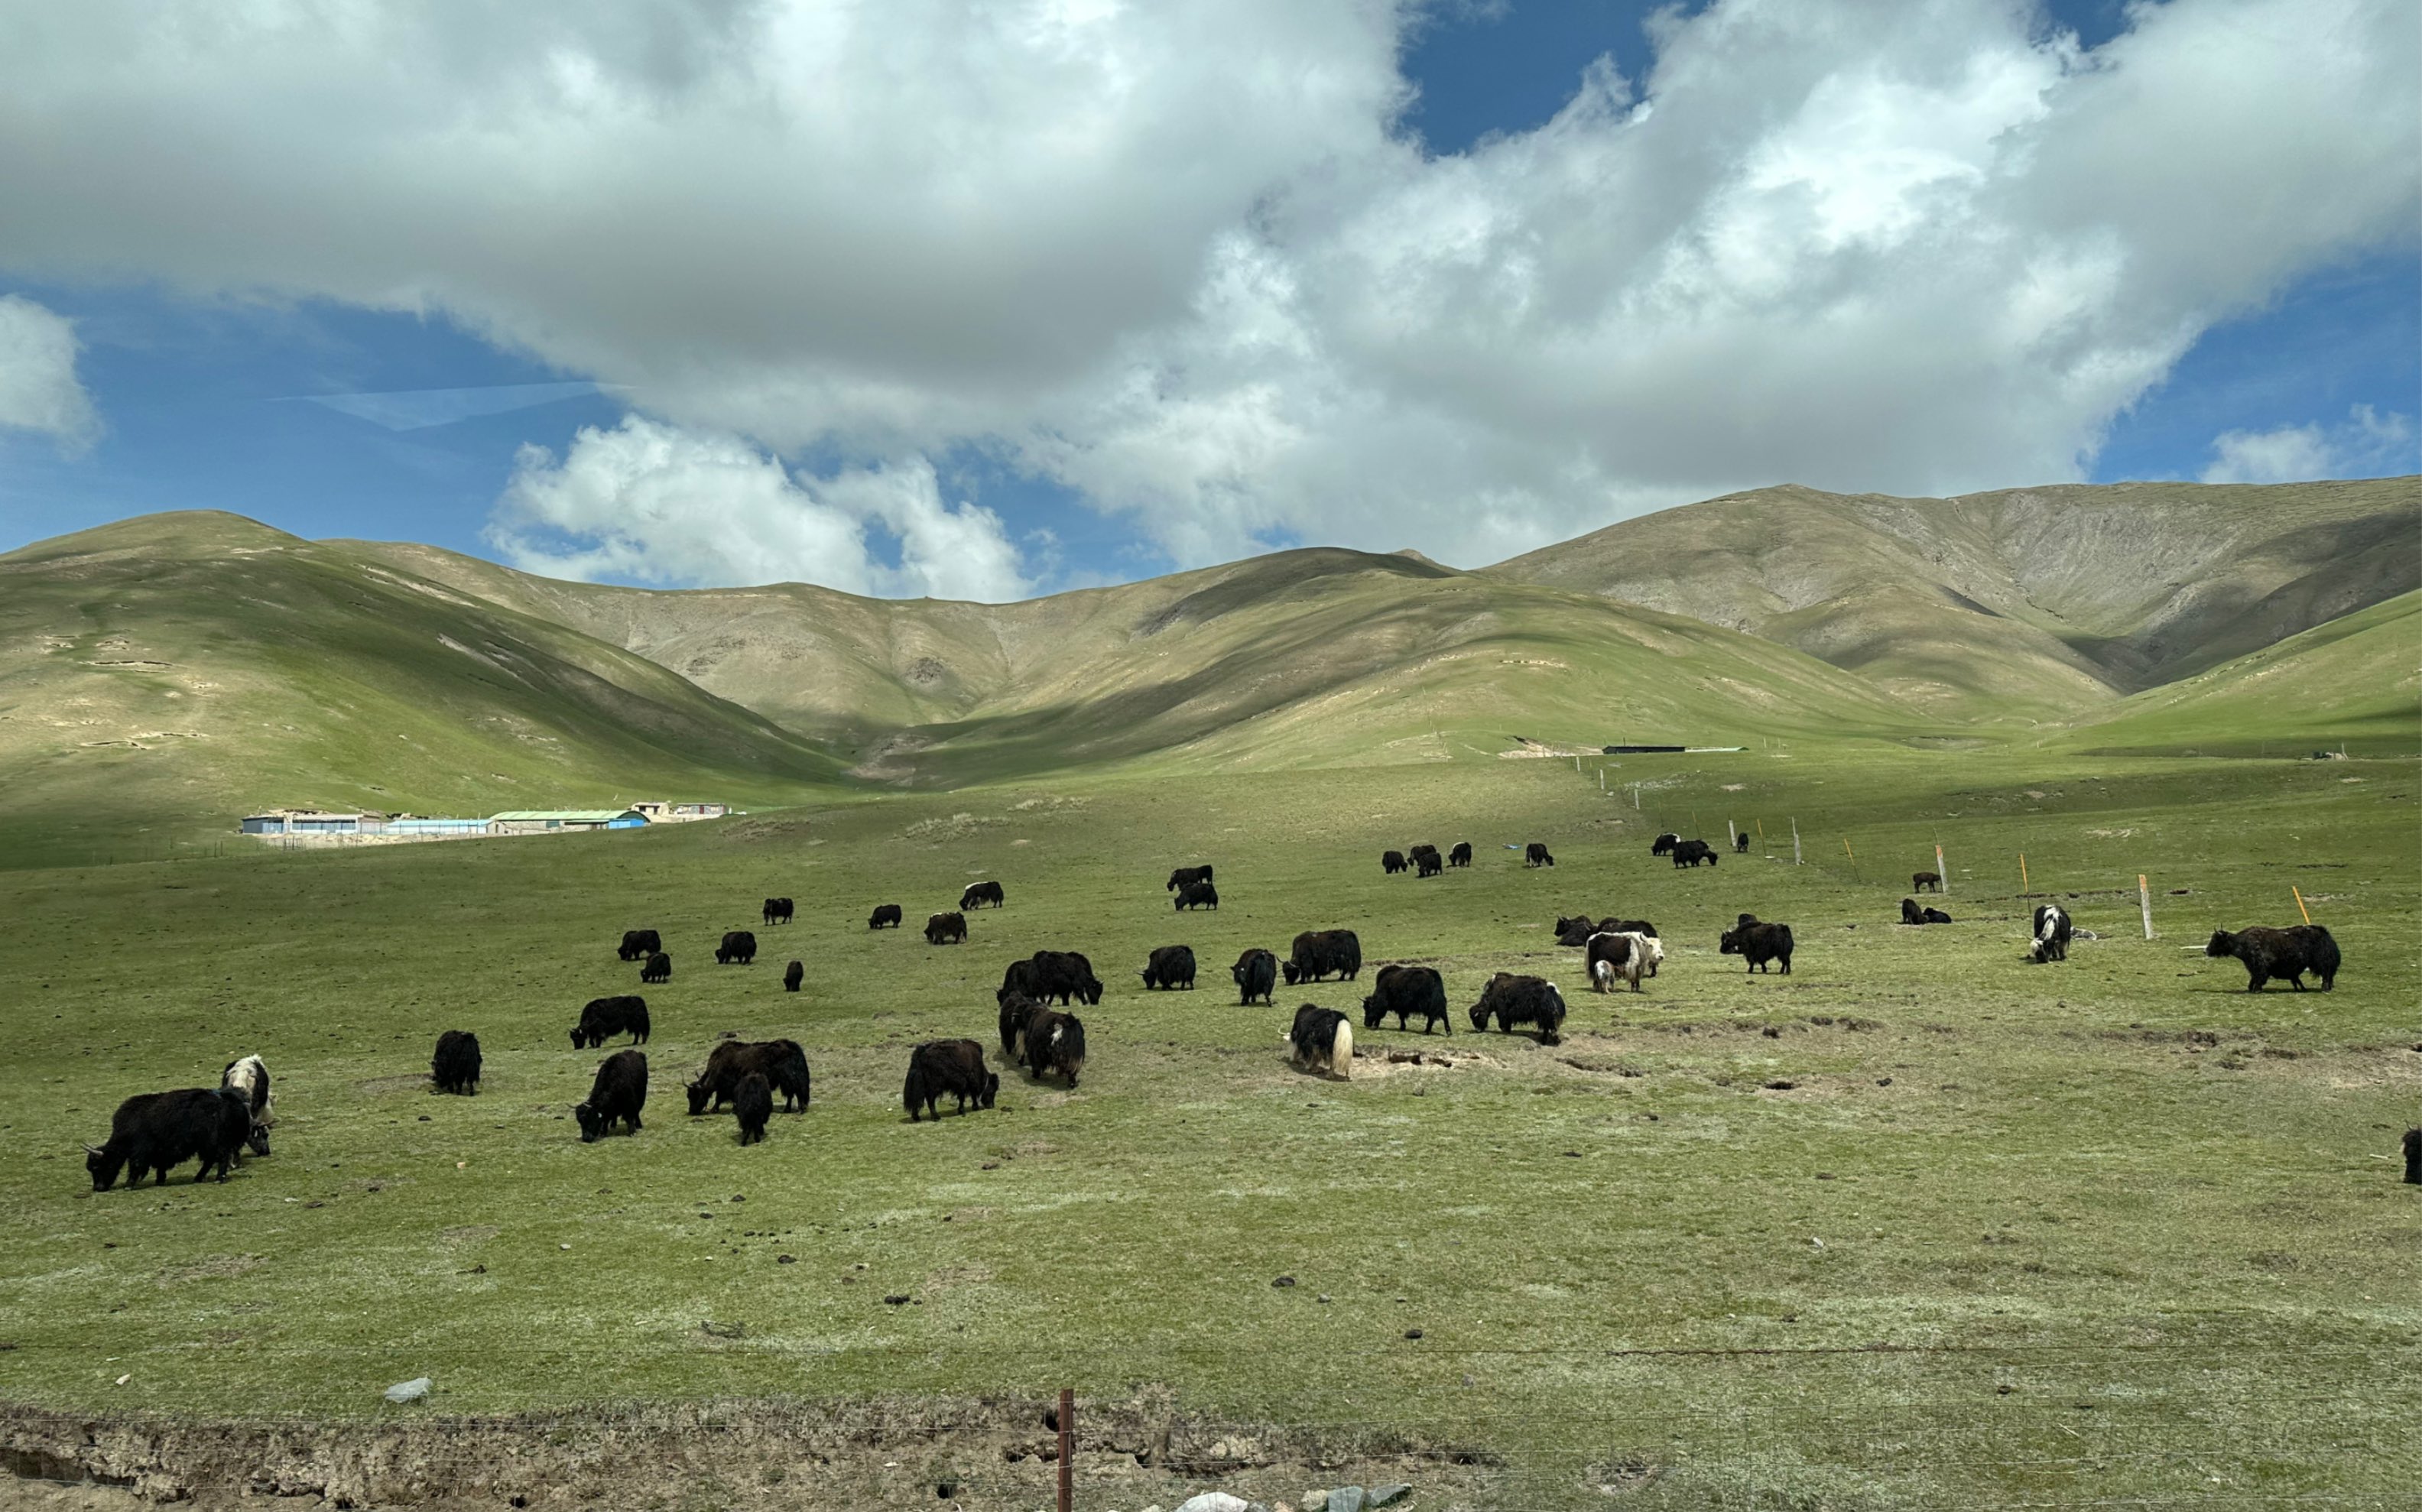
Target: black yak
(2053,930)
(886,916)
(1925,881)
(1759,944)
(1692,852)
(981,896)
(455,1066)
(1018,1010)
(1392,862)
(1665,843)
(660,968)
(1198,895)
(603,1018)
(778,910)
(945,929)
(1054,1042)
(1256,974)
(1184,875)
(752,1104)
(1521,1000)
(793,975)
(1621,954)
(1461,855)
(1172,965)
(1535,854)
(617,1095)
(1065,975)
(1319,952)
(1740,843)
(155,1131)
(1408,992)
(1426,862)
(739,948)
(1321,1040)
(638,944)
(951,1068)
(781,1063)
(2287,954)
(2413,1156)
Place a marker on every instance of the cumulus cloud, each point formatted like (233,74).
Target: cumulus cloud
(656,503)
(2366,443)
(1181,258)
(39,388)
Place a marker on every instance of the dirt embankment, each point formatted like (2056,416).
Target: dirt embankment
(746,1457)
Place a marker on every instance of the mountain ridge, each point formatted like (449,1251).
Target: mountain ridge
(2100,591)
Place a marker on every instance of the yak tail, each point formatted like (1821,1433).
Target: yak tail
(1073,1039)
(1341,1051)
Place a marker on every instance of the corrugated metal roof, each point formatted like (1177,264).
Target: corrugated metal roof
(594,816)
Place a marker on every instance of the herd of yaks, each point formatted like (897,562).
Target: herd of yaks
(154,1132)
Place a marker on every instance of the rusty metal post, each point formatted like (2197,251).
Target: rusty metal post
(1067,1450)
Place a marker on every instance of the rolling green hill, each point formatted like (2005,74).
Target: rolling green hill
(1311,657)
(2035,602)
(2354,683)
(163,676)
(160,676)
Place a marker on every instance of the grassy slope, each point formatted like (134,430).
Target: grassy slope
(2110,1229)
(2354,682)
(1309,658)
(161,676)
(2039,601)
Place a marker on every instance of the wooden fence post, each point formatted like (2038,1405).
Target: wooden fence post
(1795,843)
(2023,885)
(2144,902)
(2300,902)
(1067,1449)
(1942,871)
(1732,836)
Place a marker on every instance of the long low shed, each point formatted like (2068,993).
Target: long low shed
(542,821)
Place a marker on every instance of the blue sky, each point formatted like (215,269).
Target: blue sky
(218,399)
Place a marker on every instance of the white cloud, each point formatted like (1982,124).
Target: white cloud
(1177,257)
(39,389)
(2368,442)
(656,503)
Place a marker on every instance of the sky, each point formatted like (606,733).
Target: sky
(982,300)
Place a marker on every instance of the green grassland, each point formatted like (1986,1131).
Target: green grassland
(2104,1231)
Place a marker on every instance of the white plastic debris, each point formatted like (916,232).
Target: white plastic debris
(408,1391)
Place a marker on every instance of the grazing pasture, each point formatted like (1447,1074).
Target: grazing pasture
(1920,1225)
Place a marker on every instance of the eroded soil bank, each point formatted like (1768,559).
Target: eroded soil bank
(798,1456)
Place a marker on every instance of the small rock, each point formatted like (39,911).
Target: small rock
(1818,1243)
(1212,1501)
(1316,1502)
(1387,1495)
(899,1299)
(402,1392)
(1346,1499)
(1322,1298)
(786,1259)
(1284,1282)
(1413,1333)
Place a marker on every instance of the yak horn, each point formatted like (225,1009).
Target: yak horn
(94,1149)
